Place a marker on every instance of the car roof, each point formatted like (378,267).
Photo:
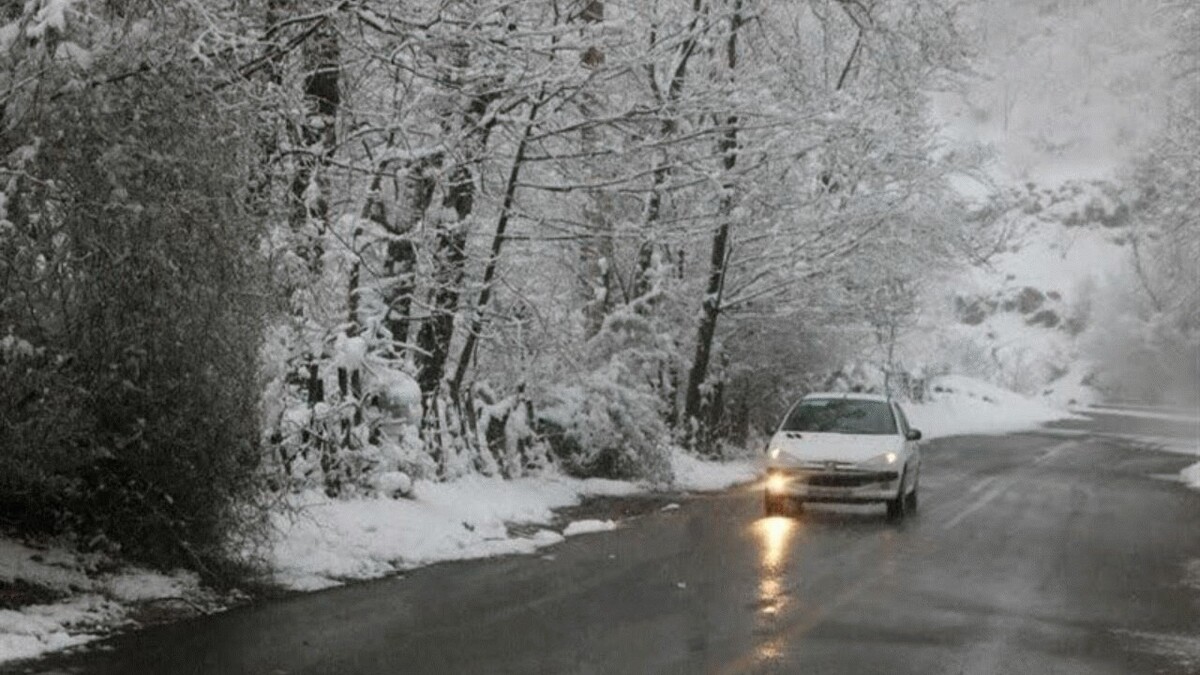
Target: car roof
(848,396)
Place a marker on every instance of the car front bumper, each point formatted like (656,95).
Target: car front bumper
(834,485)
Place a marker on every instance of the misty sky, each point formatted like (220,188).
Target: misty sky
(1066,88)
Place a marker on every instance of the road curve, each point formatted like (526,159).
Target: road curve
(1031,553)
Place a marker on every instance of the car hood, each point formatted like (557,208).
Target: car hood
(803,446)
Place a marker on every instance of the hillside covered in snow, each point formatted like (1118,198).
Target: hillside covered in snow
(1034,311)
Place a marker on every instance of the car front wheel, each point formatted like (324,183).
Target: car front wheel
(910,500)
(896,507)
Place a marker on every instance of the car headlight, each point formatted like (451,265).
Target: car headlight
(888,458)
(776,483)
(773,453)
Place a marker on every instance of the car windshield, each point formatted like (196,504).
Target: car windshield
(841,416)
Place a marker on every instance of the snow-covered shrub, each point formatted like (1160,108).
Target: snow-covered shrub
(130,269)
(506,440)
(42,424)
(603,427)
(359,438)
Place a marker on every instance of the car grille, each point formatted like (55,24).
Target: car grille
(848,479)
(835,477)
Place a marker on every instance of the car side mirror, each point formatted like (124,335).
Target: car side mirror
(913,435)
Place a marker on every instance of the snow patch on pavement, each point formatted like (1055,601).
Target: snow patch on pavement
(1191,476)
(962,405)
(1131,412)
(1171,444)
(588,527)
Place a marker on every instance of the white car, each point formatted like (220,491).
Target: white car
(856,448)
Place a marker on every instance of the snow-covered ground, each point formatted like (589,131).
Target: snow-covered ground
(962,405)
(81,602)
(36,629)
(323,543)
(332,541)
(697,475)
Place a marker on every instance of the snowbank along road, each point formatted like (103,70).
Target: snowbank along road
(1063,551)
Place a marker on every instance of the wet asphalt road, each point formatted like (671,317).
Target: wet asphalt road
(1055,552)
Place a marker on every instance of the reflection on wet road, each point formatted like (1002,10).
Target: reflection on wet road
(1030,554)
(776,534)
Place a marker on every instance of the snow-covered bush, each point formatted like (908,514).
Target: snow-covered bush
(42,423)
(603,427)
(360,438)
(129,290)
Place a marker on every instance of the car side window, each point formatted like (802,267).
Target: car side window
(902,420)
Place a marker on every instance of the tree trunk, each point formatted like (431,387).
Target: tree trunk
(400,263)
(640,283)
(316,136)
(597,283)
(449,254)
(718,263)
(433,340)
(710,311)
(350,381)
(489,273)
